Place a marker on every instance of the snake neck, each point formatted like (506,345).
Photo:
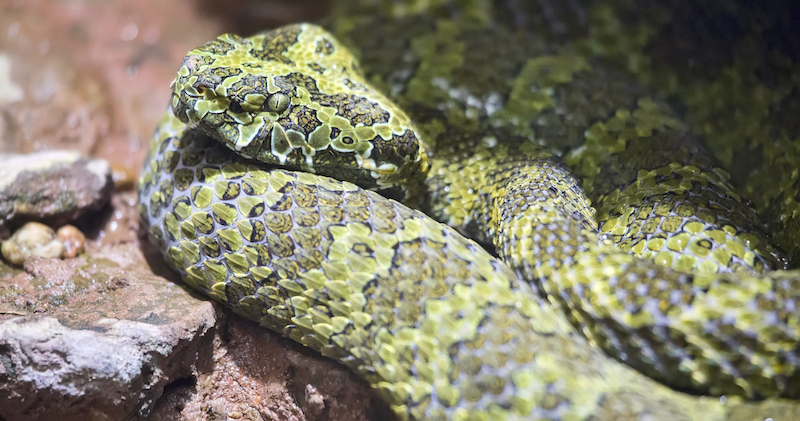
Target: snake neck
(474,194)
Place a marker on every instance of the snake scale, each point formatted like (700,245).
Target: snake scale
(260,189)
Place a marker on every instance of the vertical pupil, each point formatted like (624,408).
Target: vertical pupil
(278,102)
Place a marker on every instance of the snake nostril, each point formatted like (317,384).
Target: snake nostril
(236,107)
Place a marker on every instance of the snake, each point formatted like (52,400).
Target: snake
(480,219)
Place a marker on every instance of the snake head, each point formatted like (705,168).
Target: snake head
(295,97)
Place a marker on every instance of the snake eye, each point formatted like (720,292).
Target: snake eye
(278,102)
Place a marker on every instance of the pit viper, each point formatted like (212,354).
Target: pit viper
(270,185)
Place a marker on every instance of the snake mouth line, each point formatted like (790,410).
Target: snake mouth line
(296,132)
(369,155)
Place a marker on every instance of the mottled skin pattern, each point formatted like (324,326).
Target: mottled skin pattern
(733,67)
(440,328)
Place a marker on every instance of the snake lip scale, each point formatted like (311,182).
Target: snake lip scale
(260,189)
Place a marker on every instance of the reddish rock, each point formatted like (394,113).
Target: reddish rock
(255,374)
(88,338)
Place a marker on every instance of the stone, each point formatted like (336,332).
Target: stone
(52,187)
(73,240)
(258,375)
(94,338)
(33,239)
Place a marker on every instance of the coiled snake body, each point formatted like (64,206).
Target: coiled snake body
(672,275)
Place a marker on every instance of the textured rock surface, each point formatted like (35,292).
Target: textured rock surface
(94,338)
(51,186)
(256,375)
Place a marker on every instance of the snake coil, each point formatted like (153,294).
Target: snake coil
(248,191)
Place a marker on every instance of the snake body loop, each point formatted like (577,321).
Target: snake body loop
(672,275)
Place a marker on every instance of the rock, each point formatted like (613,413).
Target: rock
(258,375)
(90,339)
(33,239)
(103,338)
(52,187)
(73,240)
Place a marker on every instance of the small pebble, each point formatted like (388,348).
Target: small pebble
(315,400)
(124,178)
(73,240)
(33,239)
